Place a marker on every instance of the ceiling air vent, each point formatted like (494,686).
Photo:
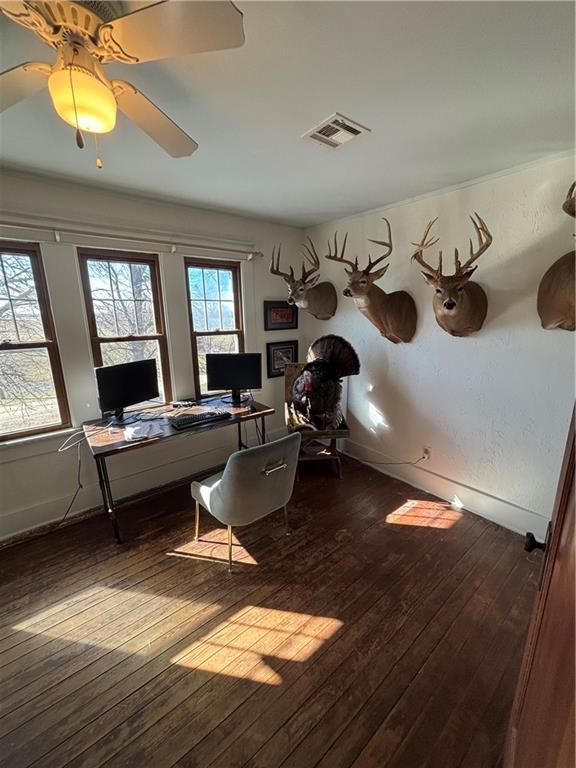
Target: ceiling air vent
(336,131)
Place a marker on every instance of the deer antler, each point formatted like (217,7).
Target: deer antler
(484,242)
(425,243)
(385,243)
(569,205)
(312,258)
(275,266)
(334,256)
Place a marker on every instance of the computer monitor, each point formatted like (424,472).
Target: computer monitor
(236,372)
(128,384)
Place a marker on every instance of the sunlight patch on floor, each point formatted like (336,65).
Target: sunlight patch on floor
(248,648)
(218,554)
(425,514)
(105,627)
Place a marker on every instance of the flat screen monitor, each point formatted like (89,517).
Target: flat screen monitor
(235,372)
(128,384)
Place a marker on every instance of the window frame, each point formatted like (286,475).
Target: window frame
(235,268)
(127,257)
(50,341)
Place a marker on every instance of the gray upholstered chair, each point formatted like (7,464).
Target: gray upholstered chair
(255,482)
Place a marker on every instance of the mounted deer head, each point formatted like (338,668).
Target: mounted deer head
(557,287)
(460,305)
(569,205)
(320,300)
(394,314)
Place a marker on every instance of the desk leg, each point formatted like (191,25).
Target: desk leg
(107,498)
(263,430)
(240,443)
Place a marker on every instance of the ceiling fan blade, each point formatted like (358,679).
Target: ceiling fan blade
(18,83)
(14,9)
(152,120)
(173,28)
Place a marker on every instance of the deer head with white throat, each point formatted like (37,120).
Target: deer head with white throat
(460,306)
(319,299)
(394,314)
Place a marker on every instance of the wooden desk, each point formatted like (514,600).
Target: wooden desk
(106,442)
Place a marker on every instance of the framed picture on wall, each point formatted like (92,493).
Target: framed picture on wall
(278,353)
(280,316)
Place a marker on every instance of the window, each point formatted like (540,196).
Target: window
(124,309)
(32,394)
(215,313)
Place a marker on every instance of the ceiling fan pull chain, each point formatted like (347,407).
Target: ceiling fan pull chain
(79,137)
(99,163)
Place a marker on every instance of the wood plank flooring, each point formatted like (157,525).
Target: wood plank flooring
(386,630)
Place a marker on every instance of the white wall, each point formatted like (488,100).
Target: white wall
(494,408)
(36,482)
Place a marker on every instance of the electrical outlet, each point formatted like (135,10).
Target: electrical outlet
(426,452)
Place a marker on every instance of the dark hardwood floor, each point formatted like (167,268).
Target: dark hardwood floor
(386,630)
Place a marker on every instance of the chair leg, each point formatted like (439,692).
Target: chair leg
(229,549)
(286,523)
(197,523)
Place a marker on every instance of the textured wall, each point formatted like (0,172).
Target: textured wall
(494,408)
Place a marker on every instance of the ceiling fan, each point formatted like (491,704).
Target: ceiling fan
(88,35)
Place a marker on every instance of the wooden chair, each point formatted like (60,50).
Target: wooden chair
(317,444)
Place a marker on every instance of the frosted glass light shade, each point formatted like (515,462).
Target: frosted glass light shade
(95,103)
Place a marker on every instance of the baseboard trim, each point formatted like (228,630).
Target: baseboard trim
(500,511)
(122,503)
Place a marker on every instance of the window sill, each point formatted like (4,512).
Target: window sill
(25,439)
(33,445)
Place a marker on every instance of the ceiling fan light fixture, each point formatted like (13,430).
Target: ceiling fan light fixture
(82,100)
(86,35)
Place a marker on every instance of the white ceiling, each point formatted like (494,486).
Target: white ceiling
(452,91)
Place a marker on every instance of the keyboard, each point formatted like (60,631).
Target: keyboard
(190,419)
